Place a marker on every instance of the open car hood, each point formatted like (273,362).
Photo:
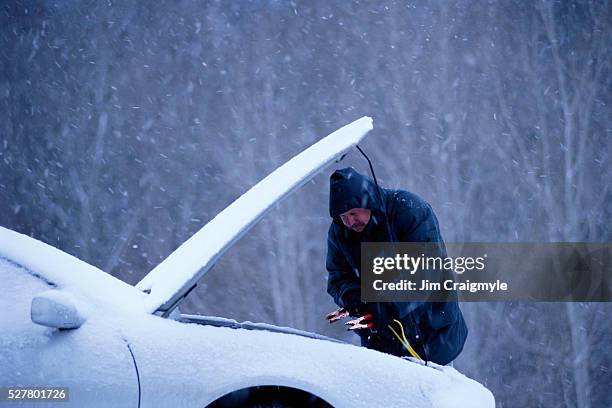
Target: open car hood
(172,280)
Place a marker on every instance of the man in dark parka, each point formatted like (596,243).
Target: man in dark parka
(435,330)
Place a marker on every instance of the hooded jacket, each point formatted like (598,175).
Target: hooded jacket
(437,331)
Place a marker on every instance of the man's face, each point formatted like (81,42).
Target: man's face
(356,218)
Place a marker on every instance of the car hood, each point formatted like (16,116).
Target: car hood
(206,362)
(172,280)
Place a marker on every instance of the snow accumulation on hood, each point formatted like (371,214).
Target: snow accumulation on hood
(226,359)
(172,279)
(67,272)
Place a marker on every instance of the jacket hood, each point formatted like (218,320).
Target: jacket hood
(350,189)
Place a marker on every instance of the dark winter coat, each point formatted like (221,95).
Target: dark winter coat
(437,331)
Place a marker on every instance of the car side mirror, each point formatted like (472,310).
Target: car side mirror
(54,308)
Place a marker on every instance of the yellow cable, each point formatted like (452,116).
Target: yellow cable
(407,346)
(404,342)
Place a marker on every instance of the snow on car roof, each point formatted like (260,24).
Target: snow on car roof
(68,272)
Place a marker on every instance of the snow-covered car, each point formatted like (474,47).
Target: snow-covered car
(66,324)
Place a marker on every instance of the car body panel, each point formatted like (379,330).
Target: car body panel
(203,363)
(93,361)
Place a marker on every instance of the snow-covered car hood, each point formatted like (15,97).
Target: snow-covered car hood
(170,281)
(342,374)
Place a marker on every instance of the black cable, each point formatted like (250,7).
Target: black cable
(392,239)
(382,202)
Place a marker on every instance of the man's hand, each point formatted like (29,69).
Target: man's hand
(337,315)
